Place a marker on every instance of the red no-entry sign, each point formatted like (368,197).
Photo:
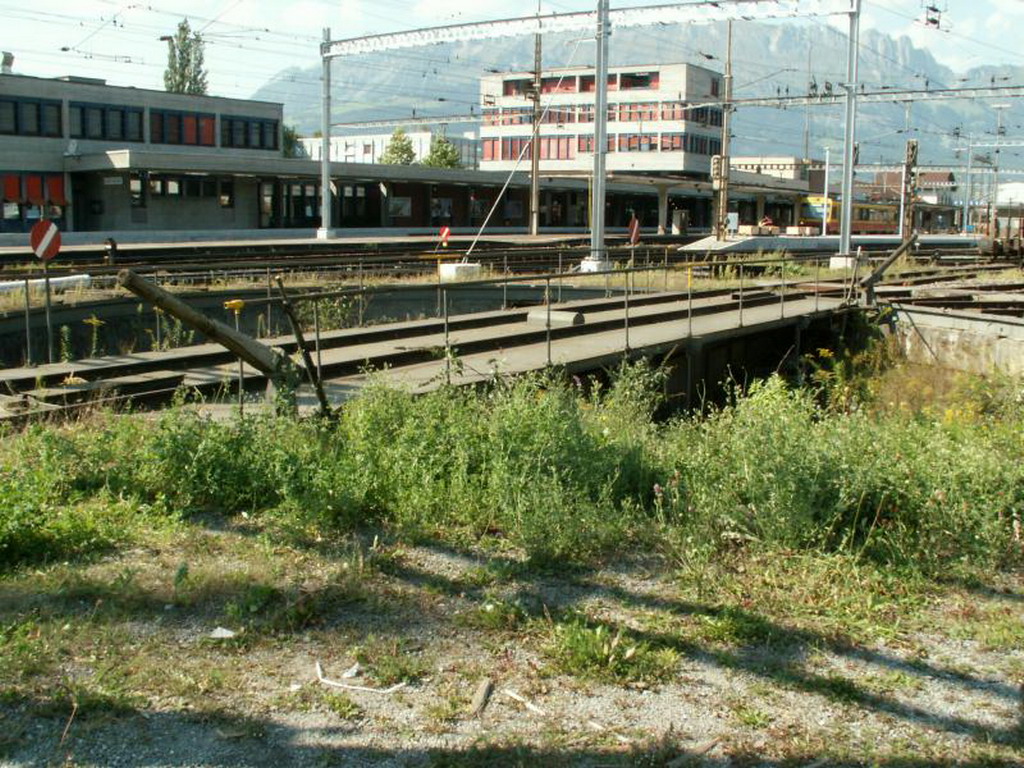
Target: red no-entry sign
(446,232)
(45,240)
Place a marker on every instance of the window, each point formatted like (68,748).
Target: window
(190,128)
(103,122)
(636,80)
(133,125)
(636,142)
(588,83)
(672,142)
(156,127)
(75,120)
(512,146)
(137,188)
(8,121)
(227,194)
(30,117)
(115,124)
(716,86)
(673,110)
(193,188)
(249,132)
(255,135)
(558,84)
(207,130)
(94,123)
(172,129)
(515,87)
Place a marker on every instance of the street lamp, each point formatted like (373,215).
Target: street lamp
(999,108)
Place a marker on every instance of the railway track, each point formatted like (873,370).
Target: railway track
(150,379)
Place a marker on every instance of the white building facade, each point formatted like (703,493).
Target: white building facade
(368,148)
(659,120)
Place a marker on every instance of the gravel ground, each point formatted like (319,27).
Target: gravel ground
(923,697)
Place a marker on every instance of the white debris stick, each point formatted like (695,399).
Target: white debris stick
(524,701)
(347,687)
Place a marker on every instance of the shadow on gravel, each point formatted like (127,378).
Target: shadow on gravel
(218,740)
(764,648)
(757,646)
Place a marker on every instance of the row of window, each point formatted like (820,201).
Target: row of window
(190,128)
(623,113)
(622,81)
(145,186)
(33,188)
(104,122)
(567,147)
(113,122)
(248,132)
(29,117)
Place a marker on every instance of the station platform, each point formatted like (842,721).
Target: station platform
(826,243)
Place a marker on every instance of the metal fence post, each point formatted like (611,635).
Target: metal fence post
(49,322)
(241,372)
(504,284)
(559,277)
(447,347)
(817,282)
(157,313)
(316,333)
(689,300)
(270,293)
(547,322)
(28,325)
(666,268)
(362,293)
(782,291)
(741,293)
(626,313)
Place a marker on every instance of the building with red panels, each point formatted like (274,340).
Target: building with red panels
(661,119)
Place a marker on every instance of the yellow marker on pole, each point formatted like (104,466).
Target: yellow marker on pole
(236,306)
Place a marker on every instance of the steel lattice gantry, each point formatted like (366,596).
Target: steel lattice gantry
(602,19)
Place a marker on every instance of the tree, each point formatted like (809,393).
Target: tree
(443,154)
(185,73)
(399,150)
(290,144)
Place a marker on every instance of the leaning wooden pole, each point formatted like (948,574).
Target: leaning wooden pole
(262,358)
(300,340)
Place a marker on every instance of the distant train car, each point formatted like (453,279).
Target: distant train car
(868,218)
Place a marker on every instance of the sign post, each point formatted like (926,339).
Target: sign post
(45,241)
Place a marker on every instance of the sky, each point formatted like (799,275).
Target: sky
(249,41)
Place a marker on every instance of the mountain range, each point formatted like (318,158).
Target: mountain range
(768,59)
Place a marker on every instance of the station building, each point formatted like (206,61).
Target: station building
(657,121)
(94,156)
(109,159)
(100,158)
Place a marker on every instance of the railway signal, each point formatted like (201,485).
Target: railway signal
(45,241)
(445,234)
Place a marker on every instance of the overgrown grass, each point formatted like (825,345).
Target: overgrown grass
(541,468)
